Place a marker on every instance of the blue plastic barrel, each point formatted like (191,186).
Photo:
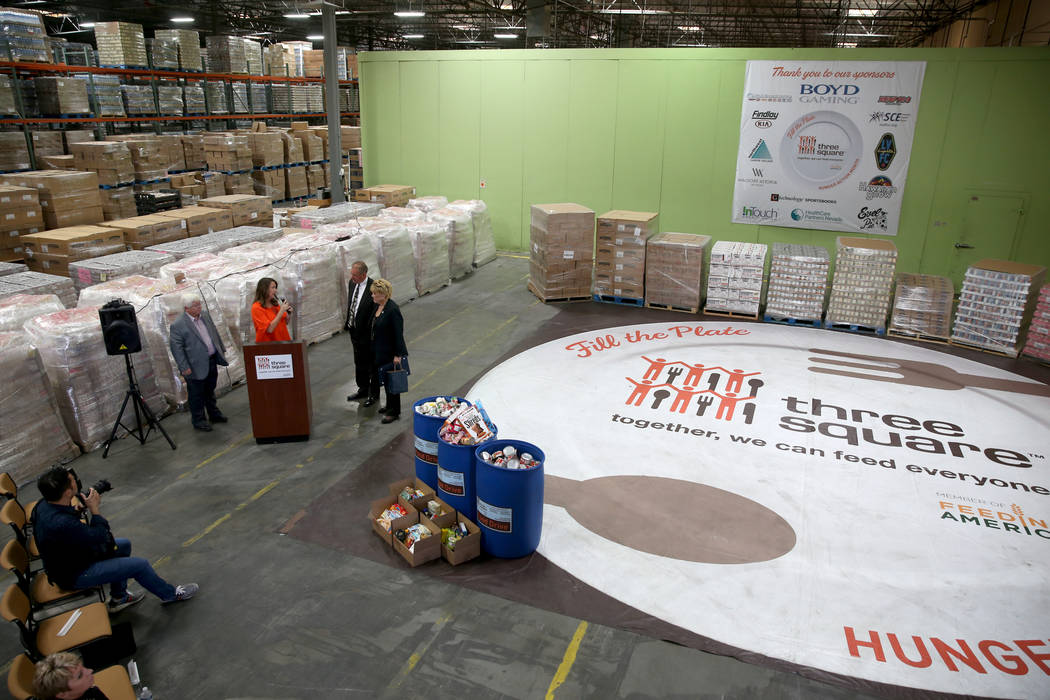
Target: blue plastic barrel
(455,476)
(425,429)
(509,502)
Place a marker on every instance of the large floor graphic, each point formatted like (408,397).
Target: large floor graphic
(871,509)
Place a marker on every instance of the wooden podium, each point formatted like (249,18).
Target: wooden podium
(279,391)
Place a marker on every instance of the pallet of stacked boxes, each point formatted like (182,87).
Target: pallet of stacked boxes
(34,436)
(193,99)
(387,195)
(62,162)
(253,56)
(31,282)
(169,99)
(228,153)
(561,252)
(8,105)
(78,136)
(67,198)
(148,159)
(61,96)
(193,151)
(111,161)
(47,143)
(24,37)
(735,279)
(1037,343)
(862,285)
(619,257)
(395,257)
(20,215)
(14,152)
(246,209)
(188,43)
(104,268)
(922,307)
(674,271)
(198,221)
(996,303)
(164,52)
(11,268)
(268,175)
(226,54)
(120,45)
(317,276)
(138,100)
(51,252)
(141,232)
(484,237)
(798,282)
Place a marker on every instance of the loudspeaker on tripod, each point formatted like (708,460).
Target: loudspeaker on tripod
(120,330)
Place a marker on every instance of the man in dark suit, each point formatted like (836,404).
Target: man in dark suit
(359,311)
(198,352)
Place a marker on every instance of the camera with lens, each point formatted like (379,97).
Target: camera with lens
(101,486)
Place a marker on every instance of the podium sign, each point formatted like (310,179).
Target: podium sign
(278,377)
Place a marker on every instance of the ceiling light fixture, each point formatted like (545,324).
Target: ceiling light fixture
(689,28)
(462,27)
(409,13)
(858,12)
(182,20)
(880,36)
(87,25)
(633,11)
(847,44)
(413,36)
(315,37)
(504,36)
(296,15)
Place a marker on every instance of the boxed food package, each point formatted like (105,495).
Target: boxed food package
(188,43)
(736,277)
(67,197)
(52,251)
(312,147)
(245,209)
(267,148)
(118,202)
(313,63)
(270,183)
(201,220)
(457,547)
(619,257)
(47,143)
(314,178)
(387,195)
(798,281)
(110,160)
(14,151)
(296,185)
(862,283)
(141,232)
(388,516)
(996,303)
(922,306)
(226,54)
(148,158)
(228,152)
(561,251)
(293,148)
(20,214)
(238,183)
(120,45)
(350,137)
(193,151)
(61,95)
(187,185)
(674,270)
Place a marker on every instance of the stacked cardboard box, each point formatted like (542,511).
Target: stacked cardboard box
(56,162)
(14,151)
(246,209)
(313,63)
(120,44)
(20,214)
(861,287)
(355,169)
(60,95)
(118,202)
(267,148)
(619,258)
(193,151)
(108,96)
(67,197)
(228,153)
(138,100)
(313,150)
(292,99)
(52,251)
(172,151)
(238,183)
(24,37)
(226,54)
(148,158)
(169,99)
(674,270)
(314,178)
(186,184)
(73,136)
(351,65)
(193,99)
(163,52)
(8,107)
(293,148)
(387,195)
(295,181)
(214,183)
(279,59)
(47,143)
(85,273)
(350,137)
(561,252)
(1037,344)
(198,221)
(997,300)
(110,160)
(189,46)
(798,281)
(215,95)
(260,98)
(735,277)
(922,306)
(143,231)
(239,98)
(270,183)
(253,56)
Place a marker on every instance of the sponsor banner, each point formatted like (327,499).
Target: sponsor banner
(274,367)
(872,509)
(826,144)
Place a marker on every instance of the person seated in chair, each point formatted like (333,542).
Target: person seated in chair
(64,676)
(79,554)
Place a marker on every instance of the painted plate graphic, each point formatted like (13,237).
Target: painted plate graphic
(822,148)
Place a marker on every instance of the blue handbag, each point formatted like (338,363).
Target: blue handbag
(395,379)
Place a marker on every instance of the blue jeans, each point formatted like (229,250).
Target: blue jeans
(118,569)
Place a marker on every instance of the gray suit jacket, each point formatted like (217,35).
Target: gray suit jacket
(188,348)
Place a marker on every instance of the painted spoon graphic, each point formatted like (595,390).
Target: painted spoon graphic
(673,518)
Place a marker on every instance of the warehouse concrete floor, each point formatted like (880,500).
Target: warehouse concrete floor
(279,616)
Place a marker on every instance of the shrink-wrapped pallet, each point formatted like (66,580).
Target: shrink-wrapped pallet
(428,204)
(164,52)
(460,227)
(798,280)
(32,436)
(430,248)
(31,282)
(189,46)
(922,306)
(188,247)
(861,285)
(735,277)
(244,234)
(16,309)
(318,314)
(170,100)
(484,238)
(996,302)
(405,215)
(1037,343)
(85,273)
(674,264)
(252,250)
(397,263)
(353,246)
(337,213)
(235,290)
(138,100)
(11,268)
(88,385)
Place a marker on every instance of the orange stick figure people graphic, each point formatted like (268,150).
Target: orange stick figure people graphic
(641,390)
(683,398)
(736,379)
(655,367)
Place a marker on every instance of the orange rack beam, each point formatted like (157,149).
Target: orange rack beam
(94,120)
(150,73)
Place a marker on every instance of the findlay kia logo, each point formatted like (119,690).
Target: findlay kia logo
(763,119)
(726,392)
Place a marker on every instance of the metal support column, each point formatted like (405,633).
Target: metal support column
(331,92)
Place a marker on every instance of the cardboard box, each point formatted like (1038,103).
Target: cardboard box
(312,150)
(445,519)
(314,178)
(61,95)
(110,160)
(14,151)
(467,548)
(143,231)
(293,148)
(416,503)
(193,151)
(561,251)
(246,209)
(350,137)
(267,148)
(296,184)
(228,152)
(79,242)
(270,183)
(118,203)
(13,197)
(47,143)
(16,219)
(619,260)
(387,195)
(377,508)
(424,550)
(200,220)
(238,183)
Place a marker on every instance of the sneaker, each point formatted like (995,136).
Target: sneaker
(129,599)
(184,592)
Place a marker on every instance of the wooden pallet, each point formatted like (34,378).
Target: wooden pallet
(730,314)
(788,321)
(978,348)
(554,300)
(672,307)
(622,301)
(921,337)
(858,328)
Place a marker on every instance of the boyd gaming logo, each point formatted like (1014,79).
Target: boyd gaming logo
(825,93)
(707,387)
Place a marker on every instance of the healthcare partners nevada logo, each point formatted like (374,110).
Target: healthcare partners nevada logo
(991,515)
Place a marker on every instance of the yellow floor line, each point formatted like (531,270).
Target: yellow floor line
(567,661)
(240,441)
(206,530)
(508,255)
(417,655)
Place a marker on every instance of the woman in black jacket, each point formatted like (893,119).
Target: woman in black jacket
(388,342)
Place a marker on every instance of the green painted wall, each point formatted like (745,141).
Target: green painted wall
(658,129)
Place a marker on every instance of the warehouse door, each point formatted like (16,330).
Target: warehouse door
(990,225)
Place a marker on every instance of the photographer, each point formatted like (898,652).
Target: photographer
(79,554)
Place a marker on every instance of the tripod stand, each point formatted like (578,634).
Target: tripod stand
(141,411)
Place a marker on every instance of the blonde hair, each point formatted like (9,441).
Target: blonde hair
(383,287)
(54,673)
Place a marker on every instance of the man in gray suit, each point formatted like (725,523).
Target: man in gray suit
(198,351)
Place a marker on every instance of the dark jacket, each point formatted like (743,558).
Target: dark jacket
(388,335)
(366,307)
(67,544)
